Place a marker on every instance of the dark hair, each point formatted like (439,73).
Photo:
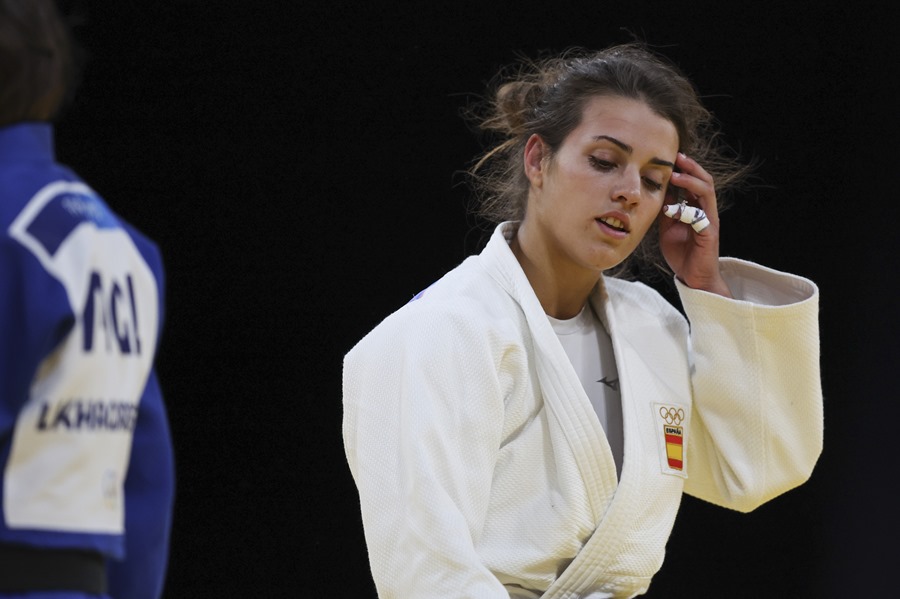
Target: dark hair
(36,67)
(547,98)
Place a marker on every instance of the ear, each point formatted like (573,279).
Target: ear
(535,152)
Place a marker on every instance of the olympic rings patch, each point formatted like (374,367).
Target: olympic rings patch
(672,415)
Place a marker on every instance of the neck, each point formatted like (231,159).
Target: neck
(562,292)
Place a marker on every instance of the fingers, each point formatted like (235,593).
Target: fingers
(699,185)
(693,178)
(689,166)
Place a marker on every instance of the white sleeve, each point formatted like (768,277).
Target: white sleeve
(758,414)
(423,414)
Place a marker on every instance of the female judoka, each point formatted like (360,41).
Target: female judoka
(527,425)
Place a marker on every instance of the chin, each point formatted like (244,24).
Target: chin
(607,260)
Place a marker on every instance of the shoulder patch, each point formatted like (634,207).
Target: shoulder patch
(56,210)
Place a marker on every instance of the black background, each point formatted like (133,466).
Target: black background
(298,165)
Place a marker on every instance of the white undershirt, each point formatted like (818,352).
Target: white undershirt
(589,347)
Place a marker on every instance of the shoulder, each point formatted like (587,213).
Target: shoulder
(50,214)
(463,310)
(54,210)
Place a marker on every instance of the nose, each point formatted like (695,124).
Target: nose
(628,187)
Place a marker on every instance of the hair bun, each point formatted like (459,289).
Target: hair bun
(515,104)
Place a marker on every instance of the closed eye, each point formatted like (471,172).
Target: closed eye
(654,185)
(605,166)
(601,165)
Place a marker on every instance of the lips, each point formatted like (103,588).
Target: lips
(613,222)
(618,223)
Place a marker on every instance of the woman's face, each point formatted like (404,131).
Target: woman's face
(591,204)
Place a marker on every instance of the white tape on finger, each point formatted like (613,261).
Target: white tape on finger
(688,214)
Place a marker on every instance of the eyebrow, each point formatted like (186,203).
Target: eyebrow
(629,150)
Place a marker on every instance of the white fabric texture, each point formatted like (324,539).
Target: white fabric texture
(482,467)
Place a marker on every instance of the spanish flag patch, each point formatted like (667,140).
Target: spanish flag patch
(674,446)
(672,420)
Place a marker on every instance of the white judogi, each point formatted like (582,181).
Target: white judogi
(482,467)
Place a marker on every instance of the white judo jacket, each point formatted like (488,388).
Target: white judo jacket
(483,471)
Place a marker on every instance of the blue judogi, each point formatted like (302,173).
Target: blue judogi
(85,448)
